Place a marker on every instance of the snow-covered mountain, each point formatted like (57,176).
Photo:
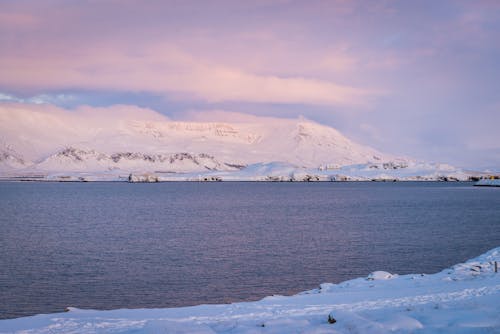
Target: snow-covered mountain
(46,142)
(46,138)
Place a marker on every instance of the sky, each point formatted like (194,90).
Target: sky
(412,78)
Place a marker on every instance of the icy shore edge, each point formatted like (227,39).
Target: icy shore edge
(461,299)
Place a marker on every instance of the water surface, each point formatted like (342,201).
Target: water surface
(120,245)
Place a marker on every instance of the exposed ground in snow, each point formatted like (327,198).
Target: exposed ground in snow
(461,299)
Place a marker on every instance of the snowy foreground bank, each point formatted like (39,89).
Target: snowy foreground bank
(461,299)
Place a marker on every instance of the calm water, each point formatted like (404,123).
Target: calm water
(120,245)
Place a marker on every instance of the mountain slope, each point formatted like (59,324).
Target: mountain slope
(48,138)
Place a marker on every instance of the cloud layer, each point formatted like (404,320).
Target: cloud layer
(100,50)
(172,73)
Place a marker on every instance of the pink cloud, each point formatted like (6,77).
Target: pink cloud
(322,53)
(183,50)
(168,70)
(17,20)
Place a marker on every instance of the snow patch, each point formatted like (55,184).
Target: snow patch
(380,275)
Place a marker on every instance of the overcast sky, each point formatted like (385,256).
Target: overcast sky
(415,78)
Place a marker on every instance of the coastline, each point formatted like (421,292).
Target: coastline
(462,298)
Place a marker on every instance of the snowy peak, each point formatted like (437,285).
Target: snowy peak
(129,138)
(310,134)
(216,131)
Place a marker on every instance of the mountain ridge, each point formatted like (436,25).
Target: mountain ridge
(39,133)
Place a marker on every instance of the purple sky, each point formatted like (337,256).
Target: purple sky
(416,78)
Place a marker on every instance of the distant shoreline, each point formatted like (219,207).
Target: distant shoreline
(46,180)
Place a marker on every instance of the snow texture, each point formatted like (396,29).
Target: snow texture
(461,299)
